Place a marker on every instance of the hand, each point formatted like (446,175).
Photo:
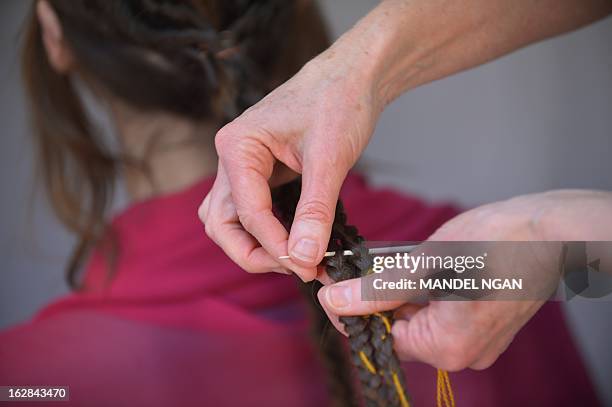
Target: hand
(454,335)
(319,122)
(316,124)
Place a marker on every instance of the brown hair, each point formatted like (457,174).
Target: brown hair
(371,343)
(207,59)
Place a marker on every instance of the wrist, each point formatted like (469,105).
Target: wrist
(574,215)
(401,45)
(365,55)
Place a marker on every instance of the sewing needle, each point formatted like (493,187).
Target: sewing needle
(374,250)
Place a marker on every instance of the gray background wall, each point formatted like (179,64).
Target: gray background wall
(538,119)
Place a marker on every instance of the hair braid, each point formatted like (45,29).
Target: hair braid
(332,350)
(331,346)
(177,12)
(370,336)
(370,339)
(179,45)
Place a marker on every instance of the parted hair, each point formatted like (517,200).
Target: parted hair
(203,60)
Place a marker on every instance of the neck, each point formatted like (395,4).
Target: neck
(165,153)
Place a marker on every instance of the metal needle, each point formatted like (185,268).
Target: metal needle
(374,250)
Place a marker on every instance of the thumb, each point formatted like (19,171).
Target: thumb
(315,212)
(345,298)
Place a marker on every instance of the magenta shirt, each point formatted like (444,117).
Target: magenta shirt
(180,324)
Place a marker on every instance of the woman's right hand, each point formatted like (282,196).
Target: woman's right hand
(317,124)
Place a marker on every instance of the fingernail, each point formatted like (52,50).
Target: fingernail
(338,296)
(305,250)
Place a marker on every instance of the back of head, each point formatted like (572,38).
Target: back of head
(200,59)
(192,57)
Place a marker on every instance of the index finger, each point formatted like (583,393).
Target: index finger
(248,169)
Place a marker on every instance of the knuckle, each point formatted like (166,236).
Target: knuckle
(456,356)
(484,363)
(316,210)
(453,362)
(203,212)
(245,261)
(209,230)
(252,270)
(245,153)
(247,220)
(249,270)
(223,139)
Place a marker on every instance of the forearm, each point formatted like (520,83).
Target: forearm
(402,44)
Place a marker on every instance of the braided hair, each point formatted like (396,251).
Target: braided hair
(370,340)
(205,59)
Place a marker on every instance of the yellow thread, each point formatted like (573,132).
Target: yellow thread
(385,321)
(367,362)
(449,389)
(444,396)
(439,389)
(400,391)
(444,391)
(383,337)
(438,394)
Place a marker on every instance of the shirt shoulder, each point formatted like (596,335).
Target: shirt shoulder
(388,214)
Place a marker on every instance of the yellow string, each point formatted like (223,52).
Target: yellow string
(367,363)
(400,391)
(444,391)
(385,321)
(449,388)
